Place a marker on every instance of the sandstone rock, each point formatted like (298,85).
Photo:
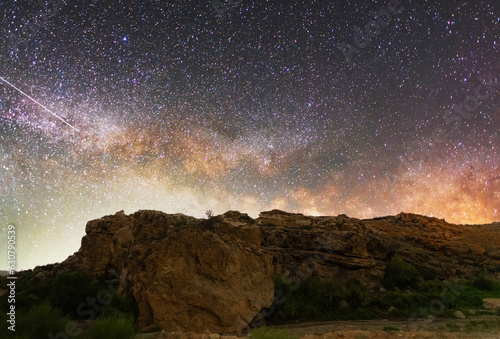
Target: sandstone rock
(491,303)
(188,274)
(280,218)
(459,315)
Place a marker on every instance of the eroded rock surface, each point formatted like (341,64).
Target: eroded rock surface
(186,274)
(195,275)
(357,250)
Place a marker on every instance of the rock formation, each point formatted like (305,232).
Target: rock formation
(353,249)
(189,274)
(186,274)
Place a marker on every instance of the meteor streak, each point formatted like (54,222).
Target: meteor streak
(36,102)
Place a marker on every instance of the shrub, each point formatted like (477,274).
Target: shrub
(405,301)
(209,214)
(126,305)
(116,325)
(469,299)
(389,328)
(266,333)
(484,284)
(481,326)
(182,221)
(400,274)
(312,299)
(39,321)
(70,289)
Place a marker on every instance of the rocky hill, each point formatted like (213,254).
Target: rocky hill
(189,274)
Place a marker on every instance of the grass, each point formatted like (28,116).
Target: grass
(314,300)
(482,326)
(113,326)
(452,327)
(267,333)
(36,322)
(390,328)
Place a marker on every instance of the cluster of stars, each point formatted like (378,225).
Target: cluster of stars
(184,107)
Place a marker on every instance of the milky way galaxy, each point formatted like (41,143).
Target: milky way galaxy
(364,108)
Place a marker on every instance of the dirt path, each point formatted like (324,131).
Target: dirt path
(370,329)
(436,328)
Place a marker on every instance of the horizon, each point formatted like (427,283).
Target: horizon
(2,270)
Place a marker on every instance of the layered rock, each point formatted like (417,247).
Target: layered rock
(324,247)
(186,274)
(357,250)
(194,275)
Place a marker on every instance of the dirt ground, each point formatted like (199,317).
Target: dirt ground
(371,329)
(368,329)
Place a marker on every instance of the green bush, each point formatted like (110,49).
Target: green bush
(266,333)
(39,321)
(484,284)
(126,305)
(115,325)
(400,274)
(70,289)
(469,299)
(406,301)
(482,326)
(389,328)
(312,299)
(29,292)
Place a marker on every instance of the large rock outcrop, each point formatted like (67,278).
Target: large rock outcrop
(189,274)
(185,274)
(353,249)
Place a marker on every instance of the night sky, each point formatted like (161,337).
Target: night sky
(364,108)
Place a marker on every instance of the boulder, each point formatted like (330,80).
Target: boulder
(187,274)
(491,303)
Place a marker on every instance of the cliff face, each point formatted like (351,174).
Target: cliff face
(195,275)
(185,274)
(353,249)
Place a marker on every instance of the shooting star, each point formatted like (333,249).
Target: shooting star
(36,102)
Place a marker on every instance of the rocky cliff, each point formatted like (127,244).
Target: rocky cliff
(195,275)
(352,249)
(185,273)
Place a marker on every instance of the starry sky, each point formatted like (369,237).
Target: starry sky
(364,108)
